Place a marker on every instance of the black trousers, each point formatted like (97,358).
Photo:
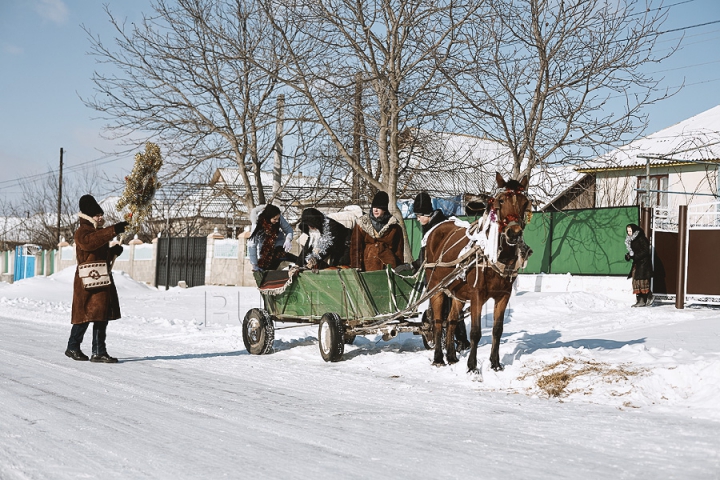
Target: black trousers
(77,333)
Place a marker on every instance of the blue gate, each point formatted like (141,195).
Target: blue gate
(25,261)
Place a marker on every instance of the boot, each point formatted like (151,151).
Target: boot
(461,340)
(640,300)
(104,358)
(649,297)
(76,355)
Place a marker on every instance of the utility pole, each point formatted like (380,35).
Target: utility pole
(59,206)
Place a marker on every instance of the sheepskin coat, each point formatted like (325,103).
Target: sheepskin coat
(371,250)
(92,244)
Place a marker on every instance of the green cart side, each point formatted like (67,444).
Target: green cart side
(343,302)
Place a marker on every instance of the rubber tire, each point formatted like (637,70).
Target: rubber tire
(258,332)
(331,337)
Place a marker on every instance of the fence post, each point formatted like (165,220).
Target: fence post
(682,251)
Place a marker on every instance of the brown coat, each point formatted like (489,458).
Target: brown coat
(92,245)
(371,250)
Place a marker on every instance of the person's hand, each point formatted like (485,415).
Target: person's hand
(311,263)
(257,269)
(288,244)
(405,267)
(628,257)
(120,227)
(116,250)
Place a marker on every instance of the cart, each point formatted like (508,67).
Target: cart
(343,303)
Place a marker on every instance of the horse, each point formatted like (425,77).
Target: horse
(475,264)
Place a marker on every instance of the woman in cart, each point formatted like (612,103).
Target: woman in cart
(328,243)
(638,247)
(271,240)
(377,239)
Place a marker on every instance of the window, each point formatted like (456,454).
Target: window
(658,191)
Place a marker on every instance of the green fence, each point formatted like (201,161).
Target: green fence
(581,242)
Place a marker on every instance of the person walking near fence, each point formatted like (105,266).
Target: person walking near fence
(638,247)
(93,305)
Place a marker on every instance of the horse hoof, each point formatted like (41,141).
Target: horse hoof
(439,364)
(498,367)
(475,375)
(453,361)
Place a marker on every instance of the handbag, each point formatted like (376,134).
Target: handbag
(94,275)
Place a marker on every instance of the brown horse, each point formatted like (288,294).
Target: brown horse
(457,266)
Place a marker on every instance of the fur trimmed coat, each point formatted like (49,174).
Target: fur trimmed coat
(371,250)
(92,244)
(332,246)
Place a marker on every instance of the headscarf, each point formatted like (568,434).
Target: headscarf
(635,232)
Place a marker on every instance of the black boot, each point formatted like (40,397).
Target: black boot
(461,340)
(104,358)
(76,355)
(640,300)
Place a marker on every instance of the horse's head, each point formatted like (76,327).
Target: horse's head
(512,207)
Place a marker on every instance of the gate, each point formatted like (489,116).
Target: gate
(181,259)
(684,261)
(25,261)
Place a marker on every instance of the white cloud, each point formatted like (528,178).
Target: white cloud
(54,10)
(12,49)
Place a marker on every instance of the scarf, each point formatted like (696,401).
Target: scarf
(379,222)
(267,235)
(628,241)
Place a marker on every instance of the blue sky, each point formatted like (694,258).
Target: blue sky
(44,67)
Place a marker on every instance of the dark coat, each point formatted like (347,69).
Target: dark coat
(92,245)
(642,257)
(436,217)
(371,250)
(333,247)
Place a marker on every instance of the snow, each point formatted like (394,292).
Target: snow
(187,401)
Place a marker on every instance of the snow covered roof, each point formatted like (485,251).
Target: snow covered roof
(694,139)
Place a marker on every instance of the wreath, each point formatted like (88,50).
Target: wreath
(140,187)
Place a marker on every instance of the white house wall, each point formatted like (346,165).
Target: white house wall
(617,188)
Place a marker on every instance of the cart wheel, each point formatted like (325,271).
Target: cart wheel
(331,337)
(258,332)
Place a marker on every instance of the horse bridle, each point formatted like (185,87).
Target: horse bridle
(511,219)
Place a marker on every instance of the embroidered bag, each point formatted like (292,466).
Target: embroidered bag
(94,275)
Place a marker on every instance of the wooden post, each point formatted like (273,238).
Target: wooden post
(59,203)
(357,117)
(682,250)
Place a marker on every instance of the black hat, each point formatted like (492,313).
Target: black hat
(311,217)
(423,204)
(89,206)
(381,200)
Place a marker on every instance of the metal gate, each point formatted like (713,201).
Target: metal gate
(25,261)
(684,260)
(179,259)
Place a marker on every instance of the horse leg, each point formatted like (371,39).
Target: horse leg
(476,304)
(497,331)
(436,308)
(450,334)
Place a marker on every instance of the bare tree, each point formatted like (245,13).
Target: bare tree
(556,81)
(187,77)
(369,71)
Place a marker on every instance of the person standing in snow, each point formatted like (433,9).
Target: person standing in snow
(271,240)
(638,247)
(92,244)
(377,239)
(328,243)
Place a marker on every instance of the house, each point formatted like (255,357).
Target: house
(679,163)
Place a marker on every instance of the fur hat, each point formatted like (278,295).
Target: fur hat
(422,204)
(89,206)
(381,200)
